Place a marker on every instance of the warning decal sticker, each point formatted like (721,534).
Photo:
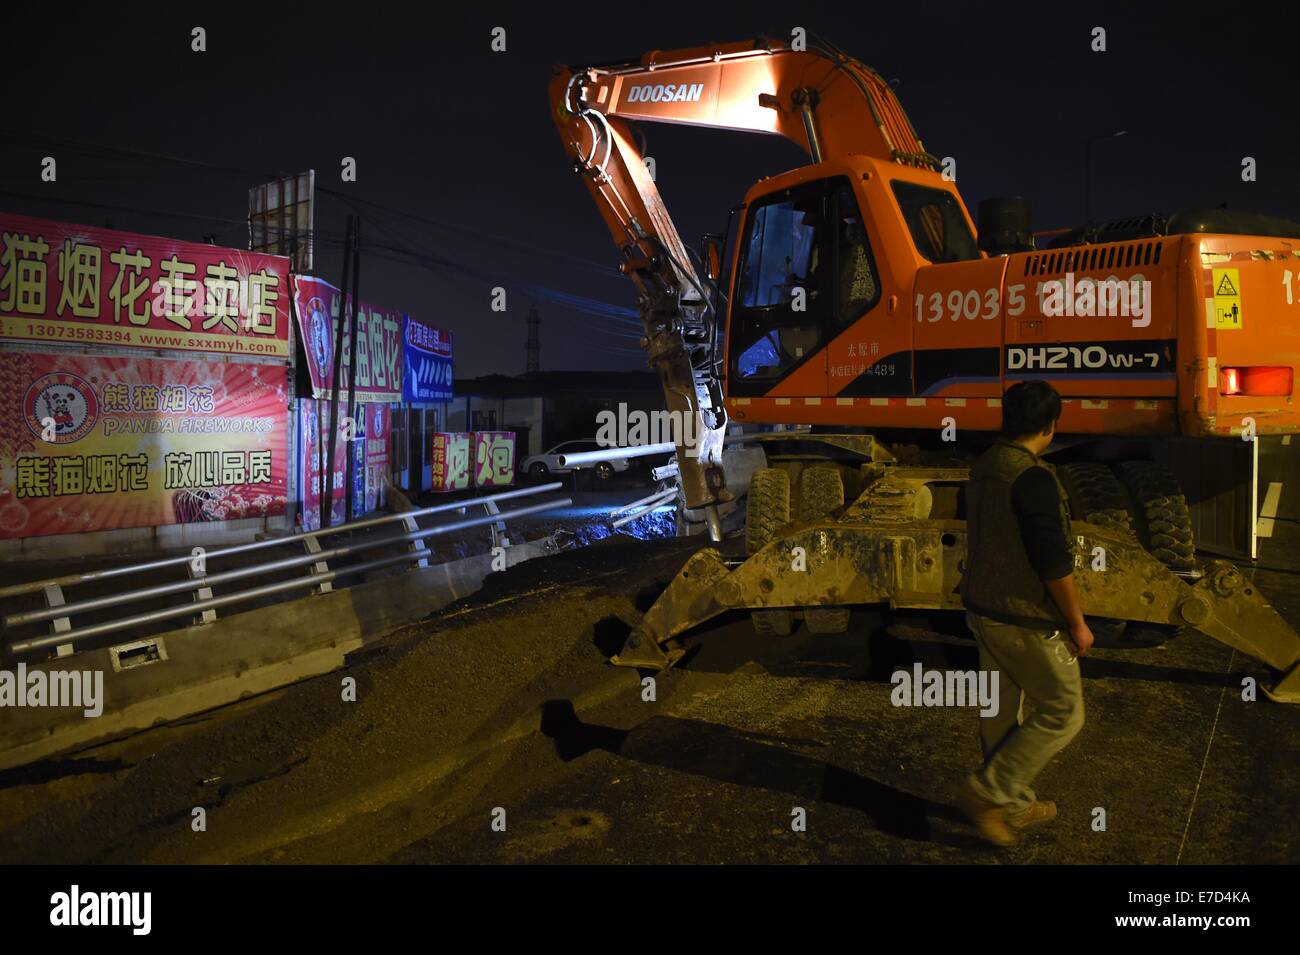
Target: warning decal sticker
(1227,299)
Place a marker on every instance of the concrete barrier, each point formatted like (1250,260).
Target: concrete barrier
(187,671)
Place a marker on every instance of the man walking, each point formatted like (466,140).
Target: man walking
(1023,608)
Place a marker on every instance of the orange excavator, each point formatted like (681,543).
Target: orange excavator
(854,302)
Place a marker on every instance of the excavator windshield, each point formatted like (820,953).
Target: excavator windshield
(806,270)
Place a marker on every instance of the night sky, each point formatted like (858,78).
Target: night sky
(447,131)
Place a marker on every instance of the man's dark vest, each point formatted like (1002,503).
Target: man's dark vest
(999,582)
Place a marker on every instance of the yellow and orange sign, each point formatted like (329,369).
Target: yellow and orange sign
(91,443)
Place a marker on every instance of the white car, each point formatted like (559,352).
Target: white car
(541,466)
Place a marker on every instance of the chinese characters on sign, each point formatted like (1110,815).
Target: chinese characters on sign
(867,353)
(451,461)
(62,283)
(370,460)
(478,459)
(92,443)
(379,343)
(494,458)
(313,431)
(428,363)
(374,462)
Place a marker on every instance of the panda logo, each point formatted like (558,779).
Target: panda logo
(67,401)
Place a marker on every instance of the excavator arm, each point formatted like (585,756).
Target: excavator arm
(827,102)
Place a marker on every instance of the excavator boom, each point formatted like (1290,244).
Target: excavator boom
(827,102)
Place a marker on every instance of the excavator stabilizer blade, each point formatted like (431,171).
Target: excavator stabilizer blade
(689,600)
(1229,608)
(916,564)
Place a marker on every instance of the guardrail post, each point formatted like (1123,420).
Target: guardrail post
(320,567)
(496,527)
(202,593)
(416,546)
(54,598)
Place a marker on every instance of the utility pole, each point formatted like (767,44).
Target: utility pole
(533,349)
(327,462)
(350,470)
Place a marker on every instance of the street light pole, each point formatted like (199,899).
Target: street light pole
(1087,171)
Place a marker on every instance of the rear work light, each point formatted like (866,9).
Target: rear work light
(1257,381)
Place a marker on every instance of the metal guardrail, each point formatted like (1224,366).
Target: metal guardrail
(203,604)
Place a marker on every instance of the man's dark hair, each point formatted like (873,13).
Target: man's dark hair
(1028,408)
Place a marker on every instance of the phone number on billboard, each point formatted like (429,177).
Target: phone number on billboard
(79,331)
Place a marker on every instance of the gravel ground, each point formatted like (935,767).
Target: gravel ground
(503,707)
(505,704)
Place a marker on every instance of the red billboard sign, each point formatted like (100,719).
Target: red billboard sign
(475,459)
(313,429)
(69,284)
(92,443)
(451,464)
(379,342)
(366,440)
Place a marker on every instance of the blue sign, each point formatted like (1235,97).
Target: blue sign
(428,374)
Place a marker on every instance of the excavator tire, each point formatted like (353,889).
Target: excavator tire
(767,507)
(1164,523)
(767,511)
(821,491)
(1164,526)
(1096,495)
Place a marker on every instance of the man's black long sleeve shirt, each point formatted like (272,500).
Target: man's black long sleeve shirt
(1036,502)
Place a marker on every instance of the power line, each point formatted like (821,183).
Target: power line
(438,264)
(395,253)
(462,230)
(100,151)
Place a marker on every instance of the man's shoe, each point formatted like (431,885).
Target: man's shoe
(1037,813)
(989,818)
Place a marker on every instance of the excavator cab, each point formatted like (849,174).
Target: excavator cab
(823,276)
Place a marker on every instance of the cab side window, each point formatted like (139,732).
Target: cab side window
(939,230)
(859,282)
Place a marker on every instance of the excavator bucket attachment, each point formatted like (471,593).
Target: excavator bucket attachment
(882,549)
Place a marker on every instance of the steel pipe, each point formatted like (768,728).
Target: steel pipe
(645,501)
(639,451)
(613,454)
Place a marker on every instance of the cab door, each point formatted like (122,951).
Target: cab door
(782,295)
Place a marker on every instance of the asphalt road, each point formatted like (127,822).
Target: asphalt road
(494,732)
